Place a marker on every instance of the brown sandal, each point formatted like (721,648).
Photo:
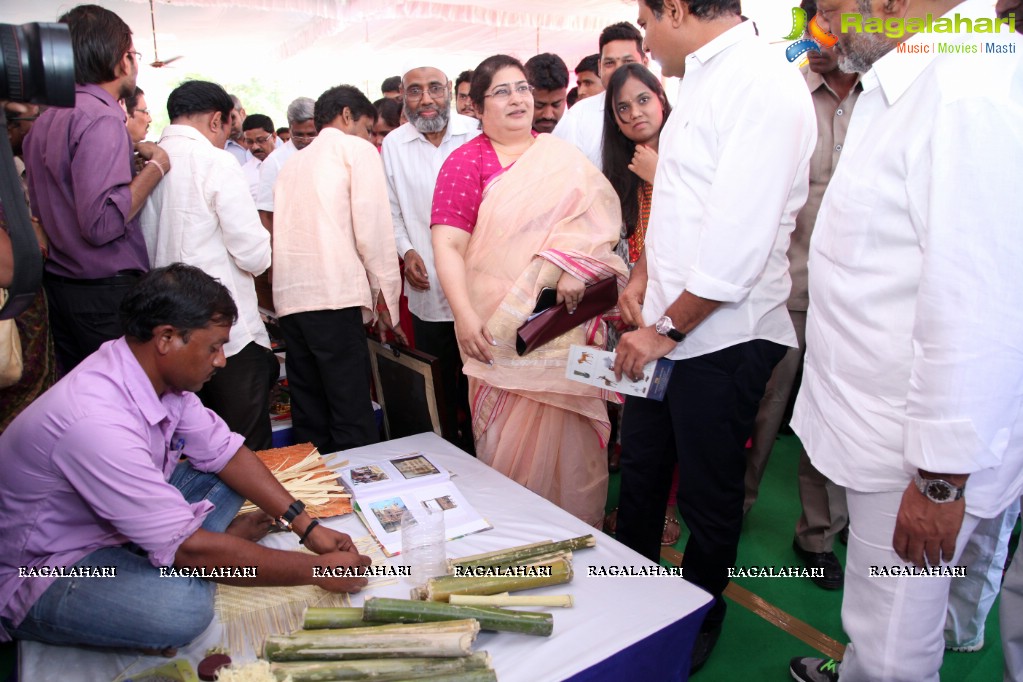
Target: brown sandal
(672,530)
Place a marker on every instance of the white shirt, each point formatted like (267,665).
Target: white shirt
(583,126)
(412,164)
(240,153)
(916,267)
(733,172)
(272,165)
(202,214)
(251,171)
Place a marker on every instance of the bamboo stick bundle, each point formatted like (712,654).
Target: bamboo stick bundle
(505,599)
(447,639)
(442,587)
(302,471)
(380,670)
(516,555)
(378,609)
(341,617)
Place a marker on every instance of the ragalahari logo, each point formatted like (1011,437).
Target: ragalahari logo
(819,38)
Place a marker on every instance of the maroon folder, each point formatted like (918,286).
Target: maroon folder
(599,298)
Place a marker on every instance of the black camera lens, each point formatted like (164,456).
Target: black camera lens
(37,64)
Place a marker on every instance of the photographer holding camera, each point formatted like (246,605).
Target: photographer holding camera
(83,187)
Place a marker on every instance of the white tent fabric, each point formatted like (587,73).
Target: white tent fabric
(307,45)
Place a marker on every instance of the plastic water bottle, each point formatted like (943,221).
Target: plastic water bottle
(422,544)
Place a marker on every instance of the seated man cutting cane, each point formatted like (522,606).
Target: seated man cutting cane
(119,488)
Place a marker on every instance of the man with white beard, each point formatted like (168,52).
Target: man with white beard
(413,154)
(911,396)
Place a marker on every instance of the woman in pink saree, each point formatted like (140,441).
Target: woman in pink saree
(513,213)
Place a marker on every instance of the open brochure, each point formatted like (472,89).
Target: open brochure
(596,368)
(384,490)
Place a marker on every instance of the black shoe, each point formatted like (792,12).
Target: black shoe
(705,642)
(834,576)
(814,669)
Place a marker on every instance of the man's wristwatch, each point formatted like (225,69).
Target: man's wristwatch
(285,520)
(665,327)
(938,490)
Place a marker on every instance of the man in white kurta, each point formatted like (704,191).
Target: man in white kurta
(206,217)
(302,131)
(413,154)
(912,385)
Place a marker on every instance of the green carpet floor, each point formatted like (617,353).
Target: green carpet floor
(751,648)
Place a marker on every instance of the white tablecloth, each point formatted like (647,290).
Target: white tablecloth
(610,613)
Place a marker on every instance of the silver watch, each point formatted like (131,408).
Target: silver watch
(665,327)
(938,490)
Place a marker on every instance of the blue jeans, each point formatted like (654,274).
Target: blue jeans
(138,608)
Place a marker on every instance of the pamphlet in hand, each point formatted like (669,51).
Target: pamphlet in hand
(596,368)
(384,490)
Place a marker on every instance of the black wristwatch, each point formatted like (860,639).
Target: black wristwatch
(665,327)
(285,520)
(938,490)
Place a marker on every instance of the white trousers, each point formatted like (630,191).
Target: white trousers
(1010,618)
(895,624)
(971,598)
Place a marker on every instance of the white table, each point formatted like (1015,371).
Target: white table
(619,628)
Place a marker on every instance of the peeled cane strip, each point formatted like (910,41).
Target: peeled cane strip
(501,620)
(379,670)
(442,587)
(505,599)
(447,640)
(322,618)
(515,555)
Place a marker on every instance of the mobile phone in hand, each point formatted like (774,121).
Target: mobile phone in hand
(548,298)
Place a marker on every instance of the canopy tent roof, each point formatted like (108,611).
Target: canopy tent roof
(301,47)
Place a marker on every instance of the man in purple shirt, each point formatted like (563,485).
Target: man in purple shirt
(84,190)
(117,481)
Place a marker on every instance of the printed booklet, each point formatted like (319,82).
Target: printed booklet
(595,367)
(384,490)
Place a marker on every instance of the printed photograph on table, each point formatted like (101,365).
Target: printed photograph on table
(440,503)
(414,467)
(368,474)
(388,512)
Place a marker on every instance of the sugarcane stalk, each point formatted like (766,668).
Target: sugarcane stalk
(445,639)
(385,610)
(379,670)
(442,587)
(468,676)
(505,599)
(514,555)
(337,617)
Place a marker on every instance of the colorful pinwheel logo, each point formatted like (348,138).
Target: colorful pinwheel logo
(819,38)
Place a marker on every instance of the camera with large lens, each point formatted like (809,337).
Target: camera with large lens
(37,65)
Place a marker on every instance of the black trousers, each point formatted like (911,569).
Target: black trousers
(438,339)
(702,424)
(328,369)
(240,393)
(84,315)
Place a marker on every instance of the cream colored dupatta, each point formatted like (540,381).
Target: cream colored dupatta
(552,210)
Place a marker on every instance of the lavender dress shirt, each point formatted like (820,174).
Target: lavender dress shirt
(79,166)
(87,465)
